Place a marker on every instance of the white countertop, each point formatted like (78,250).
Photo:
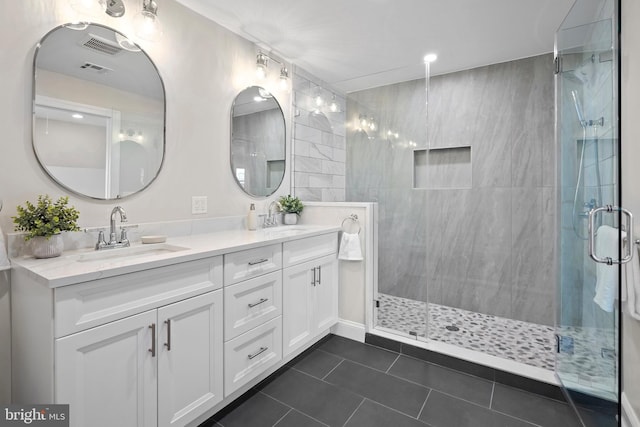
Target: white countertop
(67,269)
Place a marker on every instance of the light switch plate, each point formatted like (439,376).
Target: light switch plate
(198,204)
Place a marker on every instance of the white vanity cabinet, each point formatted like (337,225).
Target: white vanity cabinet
(310,289)
(253,308)
(141,349)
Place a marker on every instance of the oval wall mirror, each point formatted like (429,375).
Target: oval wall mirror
(258,142)
(98,112)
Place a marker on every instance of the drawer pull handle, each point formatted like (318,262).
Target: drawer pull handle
(258,261)
(313,281)
(319,275)
(258,353)
(168,343)
(153,340)
(262,301)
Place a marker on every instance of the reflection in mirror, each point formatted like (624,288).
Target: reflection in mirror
(98,112)
(257,142)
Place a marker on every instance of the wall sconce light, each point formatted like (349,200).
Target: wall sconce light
(284,78)
(146,22)
(113,8)
(334,107)
(261,66)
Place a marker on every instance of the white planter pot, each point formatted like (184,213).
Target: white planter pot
(41,247)
(290,218)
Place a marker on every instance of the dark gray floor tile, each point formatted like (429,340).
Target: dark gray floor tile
(371,414)
(442,410)
(467,387)
(324,402)
(298,419)
(258,411)
(383,388)
(318,363)
(369,355)
(531,407)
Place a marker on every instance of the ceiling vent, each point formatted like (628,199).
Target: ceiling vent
(101,45)
(98,69)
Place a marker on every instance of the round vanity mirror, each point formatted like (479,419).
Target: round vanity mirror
(257,142)
(98,112)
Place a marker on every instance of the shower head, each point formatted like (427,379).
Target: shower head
(576,103)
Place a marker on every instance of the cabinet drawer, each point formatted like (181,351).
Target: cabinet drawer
(252,353)
(83,306)
(244,265)
(302,250)
(251,303)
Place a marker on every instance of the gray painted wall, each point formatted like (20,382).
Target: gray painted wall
(479,233)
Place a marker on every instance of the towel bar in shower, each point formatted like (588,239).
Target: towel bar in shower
(592,234)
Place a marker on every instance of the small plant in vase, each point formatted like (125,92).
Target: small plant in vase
(44,221)
(292,207)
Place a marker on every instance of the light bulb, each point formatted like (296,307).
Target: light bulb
(319,101)
(261,66)
(146,23)
(430,58)
(334,105)
(284,78)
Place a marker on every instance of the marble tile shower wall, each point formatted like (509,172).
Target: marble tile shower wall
(488,248)
(318,141)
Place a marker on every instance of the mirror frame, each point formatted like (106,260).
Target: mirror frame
(33,115)
(284,142)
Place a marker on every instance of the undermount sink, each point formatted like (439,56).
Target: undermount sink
(127,253)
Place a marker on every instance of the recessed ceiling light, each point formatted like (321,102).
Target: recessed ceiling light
(430,58)
(77,116)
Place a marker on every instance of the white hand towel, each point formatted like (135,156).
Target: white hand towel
(606,275)
(350,247)
(631,286)
(4,261)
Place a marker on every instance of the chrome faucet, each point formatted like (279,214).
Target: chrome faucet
(271,220)
(114,242)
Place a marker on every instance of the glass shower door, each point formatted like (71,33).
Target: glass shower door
(591,224)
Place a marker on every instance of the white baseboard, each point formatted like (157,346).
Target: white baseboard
(349,329)
(629,416)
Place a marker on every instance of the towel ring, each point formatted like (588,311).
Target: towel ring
(353,218)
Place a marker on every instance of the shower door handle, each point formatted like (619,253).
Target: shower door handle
(628,228)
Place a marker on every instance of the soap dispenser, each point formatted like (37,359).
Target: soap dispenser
(252,220)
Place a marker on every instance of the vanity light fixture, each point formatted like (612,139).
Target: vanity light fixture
(261,65)
(284,78)
(146,22)
(334,107)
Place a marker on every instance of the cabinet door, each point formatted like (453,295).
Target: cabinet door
(326,293)
(297,305)
(190,349)
(107,374)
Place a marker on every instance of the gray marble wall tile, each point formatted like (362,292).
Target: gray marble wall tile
(452,246)
(449,168)
(318,140)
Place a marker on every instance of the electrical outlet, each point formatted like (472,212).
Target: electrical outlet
(198,204)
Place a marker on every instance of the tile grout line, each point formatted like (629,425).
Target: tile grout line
(493,389)
(334,368)
(424,404)
(292,408)
(282,417)
(392,363)
(353,361)
(354,411)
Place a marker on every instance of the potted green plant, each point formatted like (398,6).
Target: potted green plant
(292,207)
(43,222)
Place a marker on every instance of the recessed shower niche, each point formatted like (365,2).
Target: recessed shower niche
(442,167)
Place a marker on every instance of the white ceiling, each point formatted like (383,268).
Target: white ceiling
(357,44)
